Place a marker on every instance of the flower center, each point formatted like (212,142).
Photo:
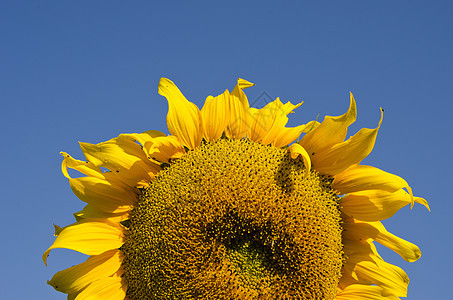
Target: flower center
(234,219)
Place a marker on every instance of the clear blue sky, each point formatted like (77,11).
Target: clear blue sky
(82,71)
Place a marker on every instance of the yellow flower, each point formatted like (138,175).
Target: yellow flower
(228,207)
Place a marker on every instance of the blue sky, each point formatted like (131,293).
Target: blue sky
(89,71)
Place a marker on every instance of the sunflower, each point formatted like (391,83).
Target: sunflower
(234,205)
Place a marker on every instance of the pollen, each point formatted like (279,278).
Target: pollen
(235,219)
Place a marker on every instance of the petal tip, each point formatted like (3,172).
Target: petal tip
(58,229)
(243,84)
(423,202)
(45,256)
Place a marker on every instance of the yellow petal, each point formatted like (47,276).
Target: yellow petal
(183,118)
(103,194)
(371,269)
(357,230)
(287,135)
(165,148)
(331,131)
(111,288)
(342,155)
(267,123)
(355,251)
(76,278)
(258,127)
(89,169)
(278,118)
(88,237)
(239,122)
(408,251)
(296,150)
(312,125)
(124,157)
(366,267)
(361,177)
(144,137)
(376,205)
(361,247)
(392,278)
(83,167)
(364,292)
(215,116)
(278,135)
(91,212)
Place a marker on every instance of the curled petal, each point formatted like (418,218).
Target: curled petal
(242,84)
(238,107)
(296,150)
(331,131)
(83,167)
(342,155)
(183,118)
(124,157)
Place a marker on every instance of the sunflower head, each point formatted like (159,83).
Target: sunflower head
(228,206)
(209,229)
